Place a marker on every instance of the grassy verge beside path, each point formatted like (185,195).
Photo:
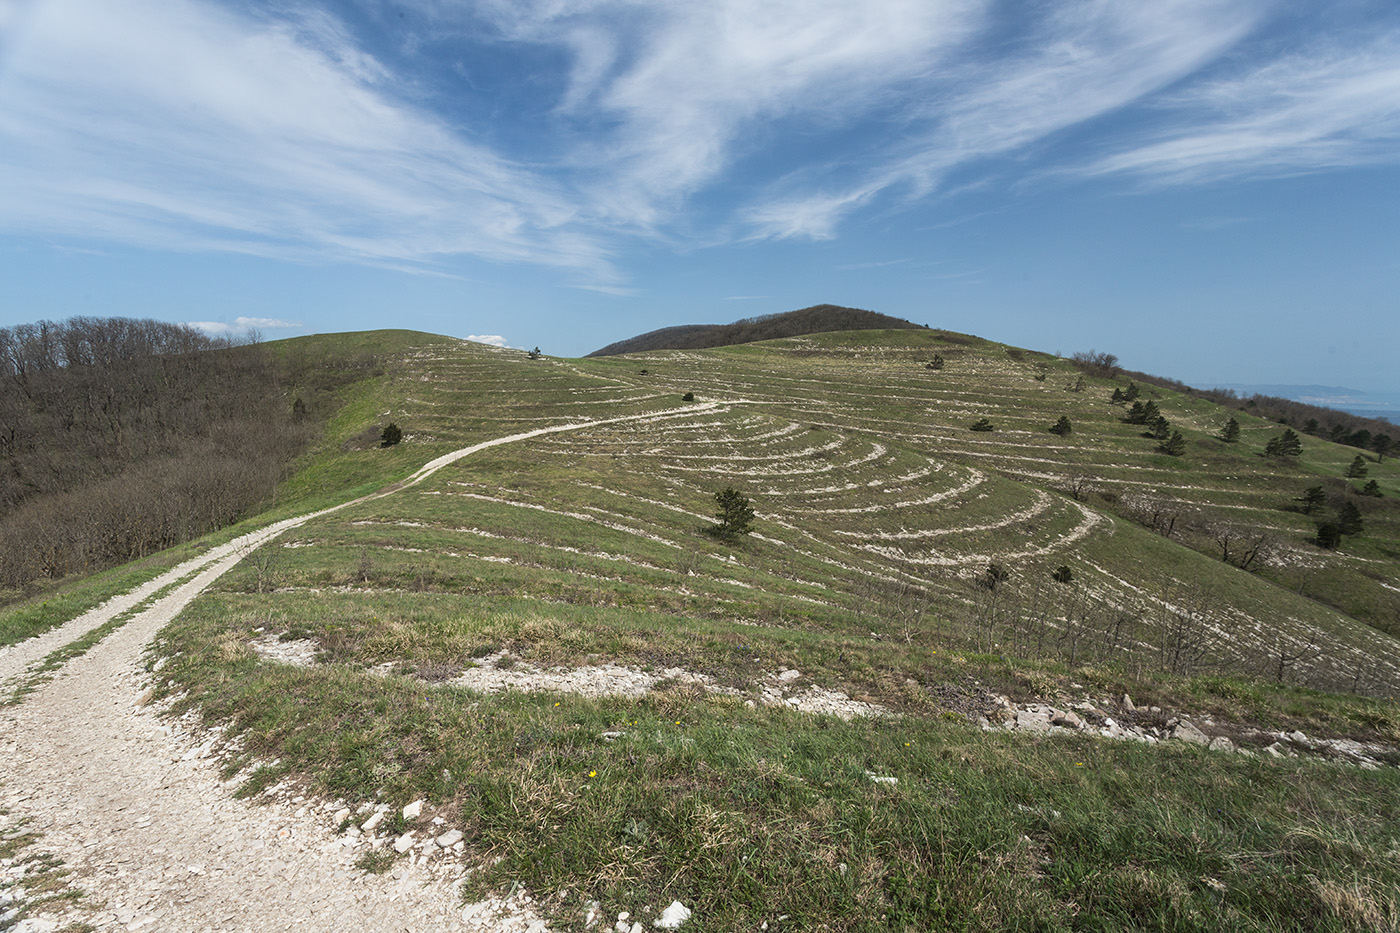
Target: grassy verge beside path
(749,814)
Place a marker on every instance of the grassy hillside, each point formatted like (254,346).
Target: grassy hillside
(864,587)
(814,320)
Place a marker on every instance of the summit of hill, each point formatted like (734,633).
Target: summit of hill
(818,319)
(1006,640)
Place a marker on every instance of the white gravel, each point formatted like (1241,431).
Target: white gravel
(150,833)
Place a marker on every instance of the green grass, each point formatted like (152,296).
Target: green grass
(878,512)
(748,814)
(72,598)
(45,879)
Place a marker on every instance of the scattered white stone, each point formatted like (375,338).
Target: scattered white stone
(404,842)
(411,811)
(674,915)
(881,779)
(450,838)
(373,821)
(1184,731)
(789,675)
(300,652)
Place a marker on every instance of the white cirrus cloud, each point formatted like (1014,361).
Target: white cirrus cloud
(241,325)
(1076,64)
(186,124)
(1322,108)
(493,340)
(690,88)
(180,124)
(264,323)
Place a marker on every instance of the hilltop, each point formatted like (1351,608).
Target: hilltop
(817,319)
(966,672)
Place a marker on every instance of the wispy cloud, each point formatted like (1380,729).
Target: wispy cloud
(874,264)
(1080,63)
(182,124)
(242,325)
(178,124)
(1322,109)
(691,88)
(494,340)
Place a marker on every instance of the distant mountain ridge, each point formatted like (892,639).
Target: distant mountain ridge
(818,319)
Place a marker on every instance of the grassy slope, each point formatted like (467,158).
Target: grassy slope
(589,546)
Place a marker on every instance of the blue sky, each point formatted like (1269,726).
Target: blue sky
(1208,188)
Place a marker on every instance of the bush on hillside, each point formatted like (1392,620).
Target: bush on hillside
(735,515)
(995,575)
(1329,535)
(1286,444)
(1174,445)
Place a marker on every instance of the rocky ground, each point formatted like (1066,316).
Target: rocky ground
(133,804)
(134,807)
(1122,719)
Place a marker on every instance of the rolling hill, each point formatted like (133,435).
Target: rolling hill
(800,727)
(814,320)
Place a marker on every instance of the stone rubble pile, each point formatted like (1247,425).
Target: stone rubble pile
(1152,726)
(671,918)
(491,675)
(500,672)
(12,894)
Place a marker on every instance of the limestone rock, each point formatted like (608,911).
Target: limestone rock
(1184,731)
(1033,719)
(673,916)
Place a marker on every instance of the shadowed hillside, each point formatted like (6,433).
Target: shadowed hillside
(818,319)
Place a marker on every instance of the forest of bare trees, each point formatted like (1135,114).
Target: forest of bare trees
(120,437)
